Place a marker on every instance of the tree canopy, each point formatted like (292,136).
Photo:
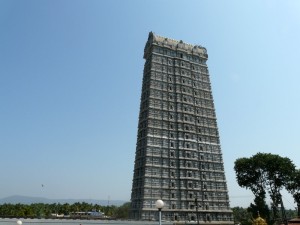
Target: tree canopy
(265,173)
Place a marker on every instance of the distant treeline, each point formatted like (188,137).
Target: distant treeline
(41,210)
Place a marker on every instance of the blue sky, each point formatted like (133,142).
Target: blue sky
(70,82)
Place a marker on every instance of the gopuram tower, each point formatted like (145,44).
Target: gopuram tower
(178,153)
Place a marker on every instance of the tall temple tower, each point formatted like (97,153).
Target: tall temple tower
(178,153)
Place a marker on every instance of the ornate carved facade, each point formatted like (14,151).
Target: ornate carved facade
(178,153)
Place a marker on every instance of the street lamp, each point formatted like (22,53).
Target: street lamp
(159,204)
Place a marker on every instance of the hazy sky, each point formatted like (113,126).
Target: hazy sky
(71,75)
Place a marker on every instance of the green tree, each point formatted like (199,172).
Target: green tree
(28,211)
(262,209)
(110,210)
(278,172)
(75,207)
(250,175)
(265,172)
(122,212)
(19,210)
(65,209)
(294,188)
(7,210)
(242,216)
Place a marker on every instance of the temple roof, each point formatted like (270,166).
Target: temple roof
(259,221)
(294,221)
(176,45)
